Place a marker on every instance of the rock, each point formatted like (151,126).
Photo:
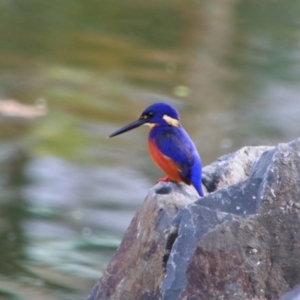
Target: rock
(242,241)
(11,108)
(231,168)
(255,256)
(136,269)
(292,295)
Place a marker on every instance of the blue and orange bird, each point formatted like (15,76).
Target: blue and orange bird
(169,145)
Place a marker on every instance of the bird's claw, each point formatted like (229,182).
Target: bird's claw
(164,179)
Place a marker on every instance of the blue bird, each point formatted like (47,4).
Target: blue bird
(169,145)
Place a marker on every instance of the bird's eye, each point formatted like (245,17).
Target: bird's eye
(147,115)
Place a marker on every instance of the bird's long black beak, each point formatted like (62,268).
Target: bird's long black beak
(129,126)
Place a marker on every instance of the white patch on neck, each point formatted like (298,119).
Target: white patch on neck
(171,121)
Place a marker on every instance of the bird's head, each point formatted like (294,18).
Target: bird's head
(157,114)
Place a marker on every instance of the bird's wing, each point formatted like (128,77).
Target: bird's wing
(175,144)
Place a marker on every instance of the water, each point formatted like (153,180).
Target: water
(67,192)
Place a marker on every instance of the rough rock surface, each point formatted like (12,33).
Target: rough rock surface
(242,241)
(231,168)
(292,295)
(136,269)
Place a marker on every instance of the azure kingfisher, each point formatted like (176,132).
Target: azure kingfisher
(169,145)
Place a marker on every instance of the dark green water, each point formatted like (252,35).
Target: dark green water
(67,194)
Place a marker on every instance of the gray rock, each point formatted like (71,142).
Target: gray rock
(136,269)
(231,168)
(242,241)
(257,256)
(292,295)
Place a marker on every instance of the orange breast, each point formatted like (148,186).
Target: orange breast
(164,162)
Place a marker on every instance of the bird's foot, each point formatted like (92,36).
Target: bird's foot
(164,179)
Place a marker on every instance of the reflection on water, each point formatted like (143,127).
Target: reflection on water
(68,193)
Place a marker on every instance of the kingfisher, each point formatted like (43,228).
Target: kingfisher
(169,145)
